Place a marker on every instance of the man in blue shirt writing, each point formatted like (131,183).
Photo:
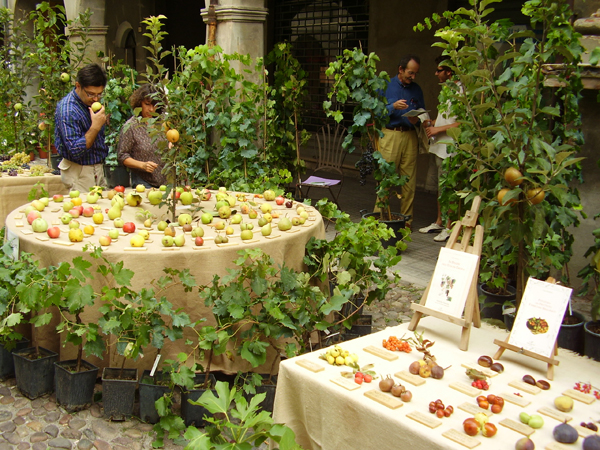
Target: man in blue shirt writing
(399,143)
(79,131)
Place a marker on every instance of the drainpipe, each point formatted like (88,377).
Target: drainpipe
(212,23)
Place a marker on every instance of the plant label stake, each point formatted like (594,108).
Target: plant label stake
(466,226)
(155,365)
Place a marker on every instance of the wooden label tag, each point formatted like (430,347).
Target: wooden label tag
(428,420)
(519,427)
(200,248)
(525,387)
(170,249)
(555,414)
(515,399)
(381,353)
(293,230)
(66,244)
(484,370)
(472,408)
(346,383)
(405,375)
(386,400)
(252,241)
(466,389)
(461,438)
(18,216)
(135,249)
(583,431)
(42,238)
(310,365)
(27,232)
(273,236)
(228,244)
(580,396)
(557,446)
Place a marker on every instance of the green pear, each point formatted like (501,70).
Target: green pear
(114,212)
(284,224)
(266,229)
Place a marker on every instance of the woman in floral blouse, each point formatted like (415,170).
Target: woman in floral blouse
(136,149)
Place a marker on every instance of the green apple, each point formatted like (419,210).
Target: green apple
(155,197)
(198,232)
(206,218)
(74,224)
(39,225)
(93,197)
(220,225)
(65,77)
(186,198)
(167,241)
(295,221)
(303,214)
(67,206)
(133,199)
(140,188)
(66,218)
(118,222)
(73,194)
(252,214)
(269,195)
(38,205)
(144,234)
(536,421)
(162,225)
(250,226)
(18,106)
(113,233)
(162,188)
(284,224)
(184,219)
(96,106)
(45,201)
(222,189)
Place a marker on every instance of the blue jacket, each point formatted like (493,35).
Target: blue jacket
(413,95)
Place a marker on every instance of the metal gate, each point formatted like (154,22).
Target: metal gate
(320,30)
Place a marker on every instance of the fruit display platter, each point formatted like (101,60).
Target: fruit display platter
(139,235)
(359,394)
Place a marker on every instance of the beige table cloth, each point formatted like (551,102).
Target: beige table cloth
(326,416)
(16,189)
(148,264)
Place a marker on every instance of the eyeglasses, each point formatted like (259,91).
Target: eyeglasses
(92,95)
(439,70)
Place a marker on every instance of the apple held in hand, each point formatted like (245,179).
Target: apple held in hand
(96,106)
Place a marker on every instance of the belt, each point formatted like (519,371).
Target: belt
(402,128)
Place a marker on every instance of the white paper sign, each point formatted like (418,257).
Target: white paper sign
(539,317)
(451,281)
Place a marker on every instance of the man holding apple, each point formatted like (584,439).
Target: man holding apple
(79,133)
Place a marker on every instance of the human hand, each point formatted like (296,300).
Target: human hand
(432,131)
(99,118)
(400,104)
(150,166)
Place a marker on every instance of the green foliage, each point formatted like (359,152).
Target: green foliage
(240,425)
(354,262)
(508,118)
(16,75)
(119,87)
(54,53)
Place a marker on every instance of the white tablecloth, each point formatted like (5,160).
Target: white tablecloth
(326,416)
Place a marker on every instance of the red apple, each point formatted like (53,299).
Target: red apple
(289,204)
(279,200)
(88,211)
(53,232)
(79,208)
(177,195)
(120,189)
(74,212)
(58,198)
(199,241)
(128,227)
(32,216)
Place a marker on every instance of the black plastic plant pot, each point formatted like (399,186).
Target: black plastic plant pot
(194,414)
(74,390)
(116,175)
(7,364)
(268,389)
(571,335)
(151,389)
(592,340)
(363,325)
(118,392)
(34,374)
(491,308)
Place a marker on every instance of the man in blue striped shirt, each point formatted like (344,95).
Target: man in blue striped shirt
(79,131)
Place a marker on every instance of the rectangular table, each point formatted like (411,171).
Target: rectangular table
(326,416)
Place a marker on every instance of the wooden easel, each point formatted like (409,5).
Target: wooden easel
(471,312)
(504,345)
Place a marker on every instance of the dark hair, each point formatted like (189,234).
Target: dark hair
(91,75)
(440,60)
(144,92)
(408,58)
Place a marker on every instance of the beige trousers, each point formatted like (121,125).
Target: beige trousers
(401,148)
(81,178)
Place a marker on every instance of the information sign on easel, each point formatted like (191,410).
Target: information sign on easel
(452,289)
(538,322)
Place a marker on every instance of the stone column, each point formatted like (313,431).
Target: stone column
(240,26)
(98,29)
